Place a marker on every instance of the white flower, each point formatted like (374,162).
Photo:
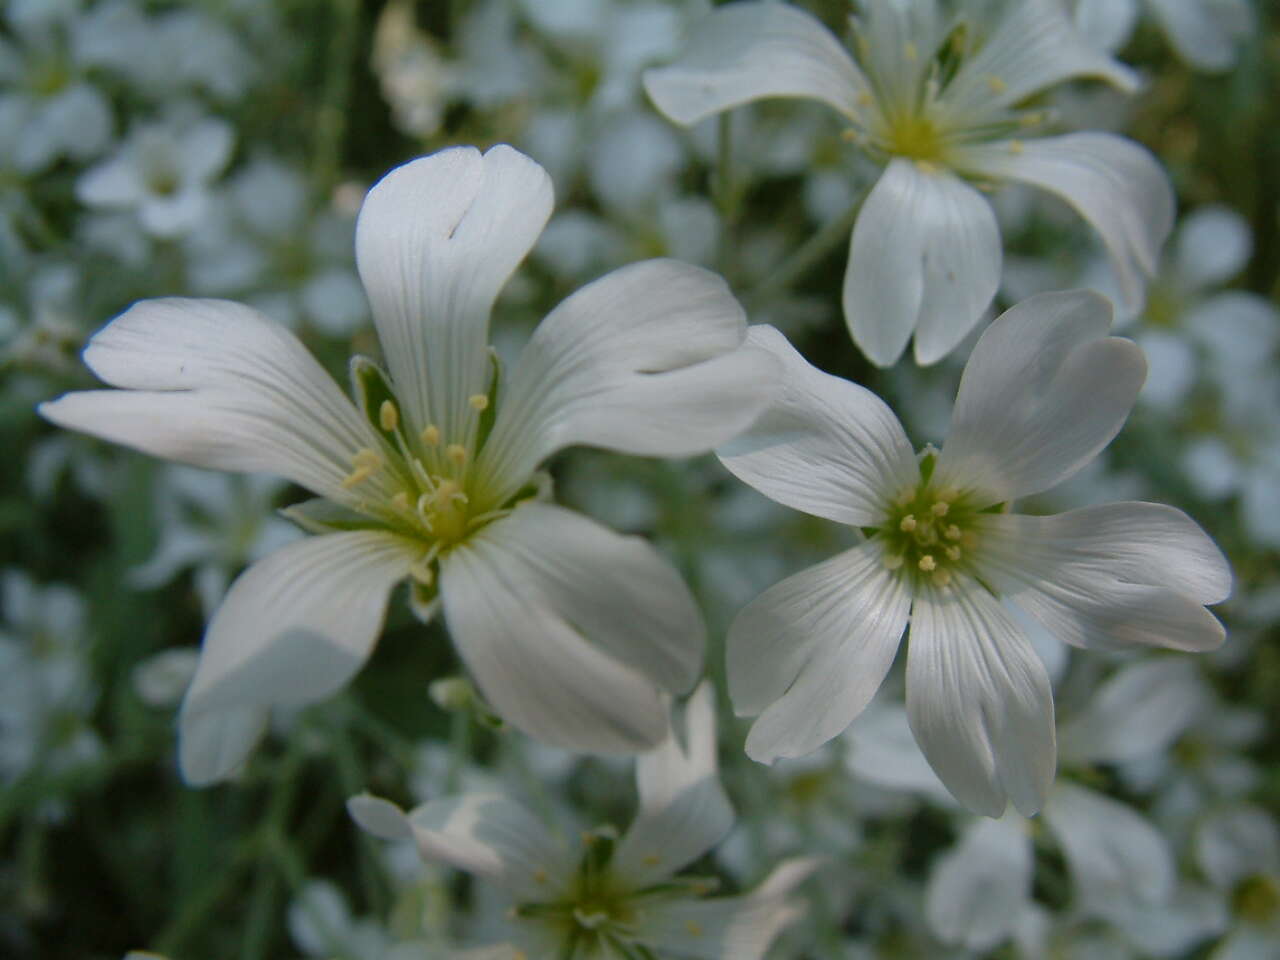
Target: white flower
(935,100)
(1044,391)
(571,631)
(612,894)
(1238,850)
(162,172)
(1205,33)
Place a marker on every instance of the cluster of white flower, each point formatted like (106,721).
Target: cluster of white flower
(607,604)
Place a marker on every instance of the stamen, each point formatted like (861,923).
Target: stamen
(366,463)
(400,501)
(940,508)
(478,401)
(388,416)
(430,435)
(694,929)
(927,167)
(892,561)
(457,453)
(421,570)
(928,564)
(996,84)
(651,860)
(952,532)
(908,523)
(941,577)
(1015,147)
(953,553)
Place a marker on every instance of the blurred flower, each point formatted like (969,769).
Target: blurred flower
(935,99)
(321,925)
(216,525)
(1206,33)
(162,171)
(1238,849)
(1044,390)
(570,630)
(616,895)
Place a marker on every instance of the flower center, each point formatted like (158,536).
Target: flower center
(1257,899)
(930,533)
(916,136)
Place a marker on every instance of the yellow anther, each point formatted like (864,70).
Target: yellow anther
(940,508)
(996,84)
(927,167)
(911,52)
(1015,147)
(1032,118)
(519,955)
(400,501)
(892,561)
(651,860)
(421,570)
(366,463)
(953,553)
(928,564)
(849,135)
(865,99)
(908,523)
(941,577)
(457,453)
(478,401)
(952,532)
(388,415)
(430,435)
(540,876)
(694,929)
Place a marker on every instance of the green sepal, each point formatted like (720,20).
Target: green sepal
(424,601)
(372,386)
(490,413)
(927,463)
(319,515)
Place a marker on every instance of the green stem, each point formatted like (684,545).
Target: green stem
(806,257)
(724,191)
(459,747)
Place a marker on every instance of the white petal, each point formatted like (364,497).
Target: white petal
(485,834)
(882,751)
(214,384)
(1034,46)
(113,184)
(1140,710)
(1237,842)
(1043,392)
(205,149)
(811,651)
(1107,24)
(1113,576)
(977,891)
(1114,183)
(293,629)
(739,927)
(1172,928)
(1204,34)
(746,51)
(574,662)
(1114,853)
(436,240)
(644,360)
(979,700)
(937,237)
(824,445)
(1213,244)
(684,811)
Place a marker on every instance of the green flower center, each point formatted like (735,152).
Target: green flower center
(1257,900)
(931,533)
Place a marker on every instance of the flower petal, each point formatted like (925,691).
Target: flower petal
(1205,34)
(937,237)
(1043,392)
(1034,46)
(293,629)
(1114,853)
(824,445)
(979,700)
(436,239)
(214,384)
(1107,24)
(1139,711)
(811,651)
(570,629)
(1111,577)
(1212,245)
(746,51)
(1114,183)
(485,834)
(978,890)
(739,927)
(645,360)
(684,811)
